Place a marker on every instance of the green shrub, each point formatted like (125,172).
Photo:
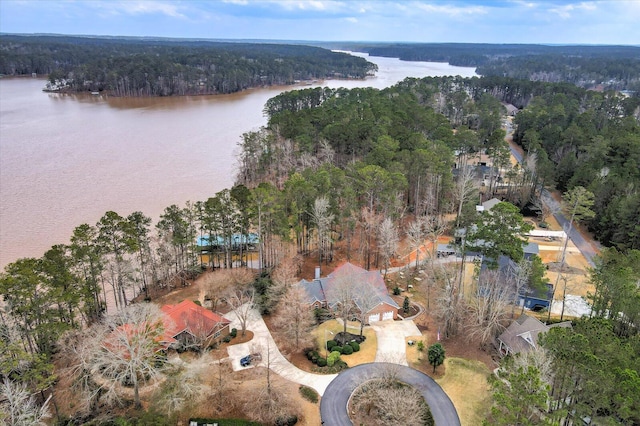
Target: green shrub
(314,359)
(197,302)
(322,362)
(347,350)
(355,346)
(234,332)
(396,291)
(337,348)
(331,344)
(341,365)
(227,339)
(286,421)
(420,345)
(333,358)
(309,394)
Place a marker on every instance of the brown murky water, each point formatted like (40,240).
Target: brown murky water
(66,160)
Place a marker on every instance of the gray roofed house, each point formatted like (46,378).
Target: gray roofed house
(522,335)
(531,249)
(489,204)
(317,290)
(511,109)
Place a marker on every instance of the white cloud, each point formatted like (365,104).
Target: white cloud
(451,9)
(351,20)
(140,7)
(566,11)
(317,5)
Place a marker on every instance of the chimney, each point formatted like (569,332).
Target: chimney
(317,276)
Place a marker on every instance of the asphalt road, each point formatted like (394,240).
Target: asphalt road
(580,242)
(333,406)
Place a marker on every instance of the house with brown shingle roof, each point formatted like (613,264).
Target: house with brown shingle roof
(522,335)
(190,325)
(385,307)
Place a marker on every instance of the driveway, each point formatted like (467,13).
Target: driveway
(391,340)
(333,406)
(263,342)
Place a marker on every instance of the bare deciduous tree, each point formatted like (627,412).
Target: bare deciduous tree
(545,209)
(269,402)
(416,235)
(539,358)
(488,308)
(323,218)
(369,221)
(434,227)
(283,277)
(340,297)
(387,242)
(218,284)
(365,299)
(464,188)
(221,385)
(183,387)
(18,407)
(241,300)
(450,307)
(294,317)
(519,273)
(120,352)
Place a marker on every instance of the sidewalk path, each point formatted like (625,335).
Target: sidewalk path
(263,342)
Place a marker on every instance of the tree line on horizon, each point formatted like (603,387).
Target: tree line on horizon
(611,67)
(166,67)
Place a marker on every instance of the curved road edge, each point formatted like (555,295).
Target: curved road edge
(333,405)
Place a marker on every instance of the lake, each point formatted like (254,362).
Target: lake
(67,159)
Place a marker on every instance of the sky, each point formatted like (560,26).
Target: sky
(436,21)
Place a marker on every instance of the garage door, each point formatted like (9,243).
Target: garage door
(374,318)
(387,315)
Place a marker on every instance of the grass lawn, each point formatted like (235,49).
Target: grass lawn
(367,352)
(465,382)
(415,358)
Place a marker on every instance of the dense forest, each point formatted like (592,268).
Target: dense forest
(164,67)
(573,137)
(612,67)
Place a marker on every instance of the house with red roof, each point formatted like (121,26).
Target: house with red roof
(190,325)
(384,307)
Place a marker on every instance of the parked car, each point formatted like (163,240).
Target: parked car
(246,361)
